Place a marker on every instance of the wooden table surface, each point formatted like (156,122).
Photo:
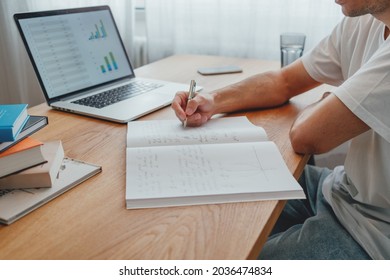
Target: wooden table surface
(91,220)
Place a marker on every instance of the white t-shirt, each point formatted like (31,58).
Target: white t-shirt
(356,59)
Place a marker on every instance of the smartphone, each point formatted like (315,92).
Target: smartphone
(219,70)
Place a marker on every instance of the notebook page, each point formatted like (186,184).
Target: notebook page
(172,132)
(157,173)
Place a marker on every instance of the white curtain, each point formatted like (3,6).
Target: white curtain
(241,28)
(18,83)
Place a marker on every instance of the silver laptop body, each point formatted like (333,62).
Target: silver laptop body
(78,53)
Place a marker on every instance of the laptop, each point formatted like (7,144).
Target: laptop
(82,66)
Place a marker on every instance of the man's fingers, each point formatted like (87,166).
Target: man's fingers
(194,120)
(179,105)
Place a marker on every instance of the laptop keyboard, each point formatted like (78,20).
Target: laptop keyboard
(112,96)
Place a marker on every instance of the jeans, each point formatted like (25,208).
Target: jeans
(308,229)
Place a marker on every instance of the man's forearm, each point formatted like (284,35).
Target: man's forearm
(260,91)
(265,90)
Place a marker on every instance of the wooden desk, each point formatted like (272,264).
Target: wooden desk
(91,221)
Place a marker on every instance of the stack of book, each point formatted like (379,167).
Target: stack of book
(34,167)
(32,172)
(16,124)
(25,162)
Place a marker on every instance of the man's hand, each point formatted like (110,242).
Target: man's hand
(198,110)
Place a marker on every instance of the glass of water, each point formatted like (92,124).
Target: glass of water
(291,47)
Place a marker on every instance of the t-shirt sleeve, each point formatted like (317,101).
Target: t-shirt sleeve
(323,62)
(367,92)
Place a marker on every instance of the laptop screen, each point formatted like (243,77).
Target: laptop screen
(74,50)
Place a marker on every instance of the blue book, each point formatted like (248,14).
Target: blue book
(33,124)
(12,119)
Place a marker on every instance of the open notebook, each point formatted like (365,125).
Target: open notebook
(226,160)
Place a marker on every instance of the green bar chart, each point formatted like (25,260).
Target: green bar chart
(110,63)
(99,32)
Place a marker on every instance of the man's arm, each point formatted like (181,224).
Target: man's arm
(324,126)
(265,90)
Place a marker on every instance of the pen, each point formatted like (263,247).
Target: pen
(190,96)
